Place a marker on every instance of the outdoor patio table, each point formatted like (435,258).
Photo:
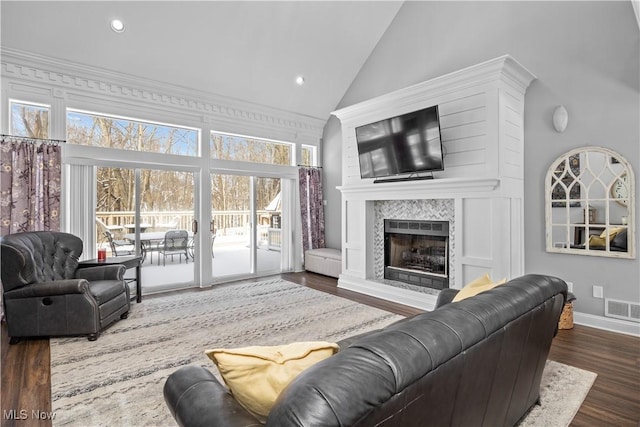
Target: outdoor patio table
(131,228)
(148,239)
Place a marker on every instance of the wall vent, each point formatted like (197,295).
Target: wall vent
(619,309)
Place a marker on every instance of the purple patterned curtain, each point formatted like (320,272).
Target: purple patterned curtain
(311,208)
(30,177)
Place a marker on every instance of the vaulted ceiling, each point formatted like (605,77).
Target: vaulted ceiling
(251,51)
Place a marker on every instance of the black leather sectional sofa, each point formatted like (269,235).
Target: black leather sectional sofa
(475,362)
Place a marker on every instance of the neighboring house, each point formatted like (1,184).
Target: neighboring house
(585,55)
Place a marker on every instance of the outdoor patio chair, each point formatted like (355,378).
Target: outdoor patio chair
(102,227)
(192,245)
(176,242)
(106,227)
(119,247)
(171,225)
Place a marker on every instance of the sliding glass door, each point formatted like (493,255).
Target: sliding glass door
(269,220)
(166,228)
(247,220)
(147,179)
(149,213)
(231,237)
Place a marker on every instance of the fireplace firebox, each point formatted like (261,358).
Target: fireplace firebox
(417,252)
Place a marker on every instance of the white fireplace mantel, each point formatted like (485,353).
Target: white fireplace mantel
(482,129)
(436,188)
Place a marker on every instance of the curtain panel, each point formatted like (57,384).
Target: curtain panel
(30,185)
(311,208)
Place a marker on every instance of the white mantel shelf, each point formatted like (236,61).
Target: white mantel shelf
(419,189)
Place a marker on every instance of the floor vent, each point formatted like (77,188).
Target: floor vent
(622,309)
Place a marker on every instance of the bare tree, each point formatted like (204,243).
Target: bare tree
(34,120)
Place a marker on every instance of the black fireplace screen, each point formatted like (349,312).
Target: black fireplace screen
(427,254)
(417,252)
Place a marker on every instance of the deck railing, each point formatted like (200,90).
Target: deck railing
(227,223)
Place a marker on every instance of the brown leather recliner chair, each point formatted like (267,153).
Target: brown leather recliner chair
(46,294)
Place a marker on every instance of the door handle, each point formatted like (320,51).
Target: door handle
(194,226)
(212,226)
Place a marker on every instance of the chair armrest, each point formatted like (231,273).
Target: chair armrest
(446,296)
(197,399)
(49,289)
(102,272)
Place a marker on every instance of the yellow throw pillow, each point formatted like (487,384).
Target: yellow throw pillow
(256,375)
(613,232)
(597,241)
(481,284)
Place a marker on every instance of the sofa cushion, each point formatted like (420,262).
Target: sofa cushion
(106,290)
(256,375)
(619,242)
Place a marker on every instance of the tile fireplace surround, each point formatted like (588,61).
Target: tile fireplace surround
(434,210)
(480,190)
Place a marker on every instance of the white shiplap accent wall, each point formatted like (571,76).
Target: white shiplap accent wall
(482,129)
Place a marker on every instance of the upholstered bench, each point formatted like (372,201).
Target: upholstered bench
(325,261)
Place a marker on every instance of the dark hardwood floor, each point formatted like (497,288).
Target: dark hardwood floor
(614,399)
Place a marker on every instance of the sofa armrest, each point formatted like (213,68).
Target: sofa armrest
(197,399)
(446,296)
(49,289)
(102,272)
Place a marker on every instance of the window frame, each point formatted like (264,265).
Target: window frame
(13,101)
(291,145)
(198,131)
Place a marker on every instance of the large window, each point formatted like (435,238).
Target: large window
(240,227)
(102,131)
(248,149)
(309,156)
(30,120)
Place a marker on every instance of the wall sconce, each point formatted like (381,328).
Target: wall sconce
(560,118)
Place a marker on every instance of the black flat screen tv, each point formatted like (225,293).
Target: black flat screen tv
(406,144)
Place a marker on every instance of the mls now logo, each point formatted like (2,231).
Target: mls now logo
(14,414)
(23,414)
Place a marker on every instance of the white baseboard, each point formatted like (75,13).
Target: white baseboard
(389,293)
(607,323)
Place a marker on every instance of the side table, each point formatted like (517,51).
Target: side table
(128,261)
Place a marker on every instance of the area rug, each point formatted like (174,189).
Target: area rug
(118,379)
(563,388)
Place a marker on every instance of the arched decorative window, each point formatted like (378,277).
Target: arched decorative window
(590,200)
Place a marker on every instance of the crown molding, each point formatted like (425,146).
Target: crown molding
(61,74)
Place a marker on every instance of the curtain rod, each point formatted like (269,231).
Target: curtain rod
(312,167)
(32,139)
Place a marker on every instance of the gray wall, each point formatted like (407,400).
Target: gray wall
(585,56)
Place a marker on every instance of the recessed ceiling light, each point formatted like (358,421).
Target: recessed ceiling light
(299,80)
(117,25)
